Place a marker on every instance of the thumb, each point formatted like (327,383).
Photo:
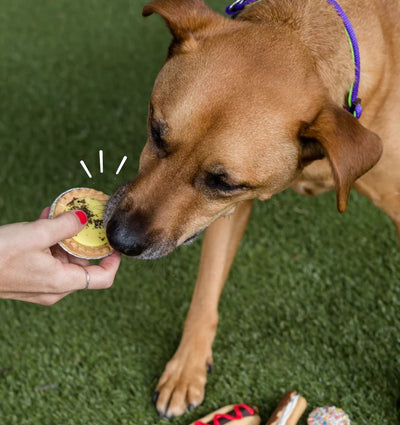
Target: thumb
(67,225)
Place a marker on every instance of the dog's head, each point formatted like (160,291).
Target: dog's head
(236,113)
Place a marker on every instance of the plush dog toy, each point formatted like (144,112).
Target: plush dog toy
(288,412)
(328,415)
(239,414)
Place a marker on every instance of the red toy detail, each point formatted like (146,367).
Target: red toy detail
(239,415)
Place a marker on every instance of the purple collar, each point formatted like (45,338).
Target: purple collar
(354,103)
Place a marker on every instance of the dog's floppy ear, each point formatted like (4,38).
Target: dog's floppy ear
(351,148)
(185,18)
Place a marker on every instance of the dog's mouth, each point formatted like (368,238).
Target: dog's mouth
(192,238)
(155,251)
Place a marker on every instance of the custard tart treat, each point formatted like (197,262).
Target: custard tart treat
(90,243)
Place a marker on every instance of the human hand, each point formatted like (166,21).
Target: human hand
(34,268)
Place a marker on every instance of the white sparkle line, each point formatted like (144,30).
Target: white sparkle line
(122,164)
(101,161)
(85,168)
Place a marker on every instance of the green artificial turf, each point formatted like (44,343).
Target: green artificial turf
(311,304)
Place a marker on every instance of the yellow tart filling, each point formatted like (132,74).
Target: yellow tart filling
(93,234)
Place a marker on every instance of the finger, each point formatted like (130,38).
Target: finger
(71,277)
(102,276)
(59,254)
(45,213)
(47,233)
(78,261)
(63,256)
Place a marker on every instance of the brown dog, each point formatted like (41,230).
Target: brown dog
(242,110)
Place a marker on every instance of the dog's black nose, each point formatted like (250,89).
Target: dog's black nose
(125,238)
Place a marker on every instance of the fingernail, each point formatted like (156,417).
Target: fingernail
(82,216)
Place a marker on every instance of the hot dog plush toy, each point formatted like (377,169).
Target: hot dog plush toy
(235,414)
(288,412)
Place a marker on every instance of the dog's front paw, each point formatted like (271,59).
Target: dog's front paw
(181,386)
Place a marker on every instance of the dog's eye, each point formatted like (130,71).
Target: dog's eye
(157,131)
(157,139)
(219,182)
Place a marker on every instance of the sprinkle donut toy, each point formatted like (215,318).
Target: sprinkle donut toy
(328,416)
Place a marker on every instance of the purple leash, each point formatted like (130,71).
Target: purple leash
(354,103)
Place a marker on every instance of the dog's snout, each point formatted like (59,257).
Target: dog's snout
(125,238)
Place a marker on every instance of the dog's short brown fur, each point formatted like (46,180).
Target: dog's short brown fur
(242,110)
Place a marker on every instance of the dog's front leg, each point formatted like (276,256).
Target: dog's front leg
(182,383)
